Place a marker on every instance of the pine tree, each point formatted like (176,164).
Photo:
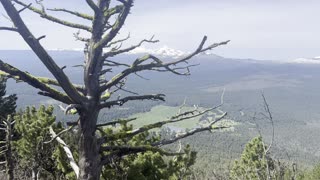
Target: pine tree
(7,103)
(253,162)
(147,165)
(33,125)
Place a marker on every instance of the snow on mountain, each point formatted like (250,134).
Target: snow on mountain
(314,60)
(61,49)
(164,51)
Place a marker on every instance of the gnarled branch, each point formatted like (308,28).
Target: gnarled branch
(114,53)
(78,14)
(120,102)
(12,72)
(43,55)
(44,15)
(68,152)
(189,133)
(117,25)
(157,64)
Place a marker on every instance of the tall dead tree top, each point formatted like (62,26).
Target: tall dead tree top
(99,84)
(98,49)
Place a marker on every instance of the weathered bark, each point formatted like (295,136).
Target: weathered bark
(8,155)
(89,157)
(35,174)
(87,100)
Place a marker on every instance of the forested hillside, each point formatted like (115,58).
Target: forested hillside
(282,84)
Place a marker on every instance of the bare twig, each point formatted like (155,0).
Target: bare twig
(59,134)
(44,15)
(68,152)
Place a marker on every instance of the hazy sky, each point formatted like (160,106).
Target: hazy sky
(261,29)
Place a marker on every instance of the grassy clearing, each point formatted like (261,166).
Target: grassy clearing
(161,113)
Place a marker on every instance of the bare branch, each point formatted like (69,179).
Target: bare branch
(15,73)
(157,64)
(113,63)
(59,134)
(70,107)
(9,29)
(270,118)
(181,116)
(114,53)
(76,35)
(68,152)
(120,102)
(125,90)
(117,26)
(41,52)
(119,121)
(118,41)
(44,80)
(44,15)
(112,11)
(93,6)
(41,37)
(78,14)
(136,149)
(173,119)
(25,7)
(189,133)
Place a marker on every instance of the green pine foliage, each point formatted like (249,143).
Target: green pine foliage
(148,165)
(7,103)
(33,126)
(253,162)
(313,174)
(60,157)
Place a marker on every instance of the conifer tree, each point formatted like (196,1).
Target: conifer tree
(33,125)
(7,103)
(253,163)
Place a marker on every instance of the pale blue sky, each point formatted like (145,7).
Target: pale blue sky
(262,29)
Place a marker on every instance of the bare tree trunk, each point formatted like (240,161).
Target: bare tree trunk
(89,157)
(35,174)
(8,155)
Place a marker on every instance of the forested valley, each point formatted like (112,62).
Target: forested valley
(113,111)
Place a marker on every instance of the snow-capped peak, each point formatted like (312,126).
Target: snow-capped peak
(164,51)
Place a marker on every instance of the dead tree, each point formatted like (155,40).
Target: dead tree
(98,85)
(6,149)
